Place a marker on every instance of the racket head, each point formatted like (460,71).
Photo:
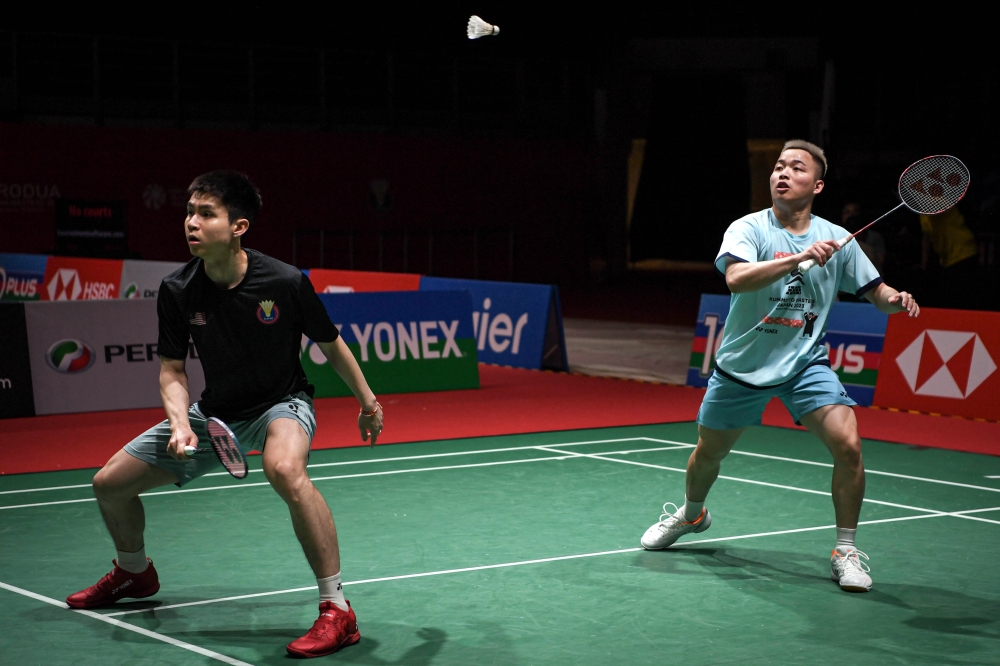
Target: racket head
(227,448)
(934,184)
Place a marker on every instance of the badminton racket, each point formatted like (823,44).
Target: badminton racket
(225,446)
(928,186)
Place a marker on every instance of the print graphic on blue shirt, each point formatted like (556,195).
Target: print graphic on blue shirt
(772,334)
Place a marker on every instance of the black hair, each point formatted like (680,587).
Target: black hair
(234,189)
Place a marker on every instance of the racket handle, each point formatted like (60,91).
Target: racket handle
(804,266)
(190,450)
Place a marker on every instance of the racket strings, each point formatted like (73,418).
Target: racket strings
(934,184)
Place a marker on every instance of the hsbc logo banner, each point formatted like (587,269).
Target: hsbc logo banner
(75,279)
(943,362)
(96,356)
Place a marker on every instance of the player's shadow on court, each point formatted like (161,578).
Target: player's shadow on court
(936,609)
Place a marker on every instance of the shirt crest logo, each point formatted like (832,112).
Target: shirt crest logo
(267,312)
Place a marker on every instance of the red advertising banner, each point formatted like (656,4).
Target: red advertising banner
(943,362)
(76,279)
(327,281)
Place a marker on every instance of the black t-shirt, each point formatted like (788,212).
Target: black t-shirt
(248,338)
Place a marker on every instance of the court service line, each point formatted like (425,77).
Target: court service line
(830,465)
(331,478)
(677,445)
(129,627)
(518,563)
(599,456)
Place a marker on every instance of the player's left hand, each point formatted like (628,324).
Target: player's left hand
(370,425)
(906,303)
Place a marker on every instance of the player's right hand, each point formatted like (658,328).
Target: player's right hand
(820,252)
(181,436)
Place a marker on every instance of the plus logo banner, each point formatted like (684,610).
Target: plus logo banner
(944,362)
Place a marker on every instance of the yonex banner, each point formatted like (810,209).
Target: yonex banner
(514,324)
(327,281)
(16,395)
(95,356)
(141,279)
(943,362)
(854,336)
(403,341)
(21,276)
(76,279)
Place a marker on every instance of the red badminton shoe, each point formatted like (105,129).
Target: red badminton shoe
(333,630)
(116,585)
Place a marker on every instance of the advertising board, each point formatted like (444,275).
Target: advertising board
(514,324)
(328,281)
(22,276)
(16,394)
(141,279)
(942,362)
(97,355)
(78,279)
(403,341)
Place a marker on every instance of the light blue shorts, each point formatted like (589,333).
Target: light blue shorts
(729,405)
(151,446)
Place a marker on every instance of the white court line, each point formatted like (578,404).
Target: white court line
(331,478)
(129,627)
(519,563)
(677,445)
(601,456)
(822,464)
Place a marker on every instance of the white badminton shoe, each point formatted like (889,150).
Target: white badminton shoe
(847,569)
(672,527)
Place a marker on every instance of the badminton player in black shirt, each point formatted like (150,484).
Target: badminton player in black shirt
(246,314)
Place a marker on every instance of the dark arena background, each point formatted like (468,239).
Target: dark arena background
(543,207)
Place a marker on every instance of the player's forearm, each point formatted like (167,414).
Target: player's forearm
(175,396)
(347,367)
(743,277)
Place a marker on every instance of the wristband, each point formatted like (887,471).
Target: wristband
(371,413)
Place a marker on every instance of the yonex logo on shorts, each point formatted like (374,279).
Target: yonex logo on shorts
(70,356)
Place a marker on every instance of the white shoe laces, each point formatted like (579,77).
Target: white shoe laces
(853,561)
(667,516)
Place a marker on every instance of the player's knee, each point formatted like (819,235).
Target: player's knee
(106,485)
(848,453)
(287,477)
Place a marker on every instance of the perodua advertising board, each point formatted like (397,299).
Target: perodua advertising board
(98,355)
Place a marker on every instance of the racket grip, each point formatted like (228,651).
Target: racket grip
(190,450)
(804,266)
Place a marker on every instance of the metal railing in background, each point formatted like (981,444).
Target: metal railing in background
(354,243)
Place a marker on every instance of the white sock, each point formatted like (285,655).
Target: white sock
(133,562)
(691,509)
(845,538)
(331,590)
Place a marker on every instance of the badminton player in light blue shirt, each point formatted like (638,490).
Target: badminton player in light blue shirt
(770,348)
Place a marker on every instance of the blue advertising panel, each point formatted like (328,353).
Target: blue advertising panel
(404,341)
(22,276)
(854,336)
(514,324)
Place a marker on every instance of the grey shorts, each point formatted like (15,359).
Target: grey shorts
(151,446)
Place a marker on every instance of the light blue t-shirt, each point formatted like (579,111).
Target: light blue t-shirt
(773,334)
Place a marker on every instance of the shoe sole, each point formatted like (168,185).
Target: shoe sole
(850,588)
(349,641)
(698,530)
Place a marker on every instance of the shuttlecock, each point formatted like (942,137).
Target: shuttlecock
(479,28)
